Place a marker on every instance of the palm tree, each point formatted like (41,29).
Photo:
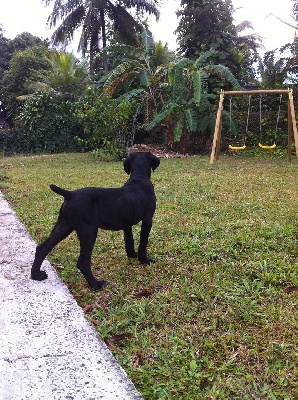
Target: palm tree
(248,45)
(140,77)
(251,41)
(69,75)
(95,18)
(66,78)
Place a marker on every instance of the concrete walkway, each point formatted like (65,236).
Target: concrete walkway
(48,349)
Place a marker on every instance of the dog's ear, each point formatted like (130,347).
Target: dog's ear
(155,161)
(126,165)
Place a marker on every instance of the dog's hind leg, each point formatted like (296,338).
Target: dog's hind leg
(144,236)
(129,243)
(87,237)
(60,231)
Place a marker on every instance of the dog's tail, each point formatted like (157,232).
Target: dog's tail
(62,192)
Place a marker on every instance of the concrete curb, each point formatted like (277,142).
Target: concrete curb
(48,348)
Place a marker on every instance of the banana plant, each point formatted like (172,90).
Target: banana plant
(192,88)
(176,98)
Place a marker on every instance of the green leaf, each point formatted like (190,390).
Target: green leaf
(145,78)
(191,119)
(204,57)
(132,94)
(197,86)
(178,130)
(161,116)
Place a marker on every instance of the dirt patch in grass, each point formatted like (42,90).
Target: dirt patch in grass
(159,151)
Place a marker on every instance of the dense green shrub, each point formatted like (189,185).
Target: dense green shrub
(12,141)
(107,123)
(49,124)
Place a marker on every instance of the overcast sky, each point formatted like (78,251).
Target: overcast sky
(19,16)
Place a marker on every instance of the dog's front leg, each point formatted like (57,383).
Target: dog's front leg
(129,243)
(144,236)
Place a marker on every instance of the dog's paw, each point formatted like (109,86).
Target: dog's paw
(132,255)
(99,285)
(39,275)
(146,261)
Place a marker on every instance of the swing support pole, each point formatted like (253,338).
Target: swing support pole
(217,131)
(293,118)
(292,126)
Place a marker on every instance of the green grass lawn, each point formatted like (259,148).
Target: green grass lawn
(215,317)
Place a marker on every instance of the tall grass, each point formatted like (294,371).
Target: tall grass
(215,317)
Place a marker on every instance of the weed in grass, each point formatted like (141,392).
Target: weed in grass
(216,316)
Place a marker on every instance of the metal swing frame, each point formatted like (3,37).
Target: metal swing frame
(292,126)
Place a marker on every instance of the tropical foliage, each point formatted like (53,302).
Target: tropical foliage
(155,95)
(208,25)
(16,70)
(67,77)
(19,43)
(106,122)
(99,20)
(248,45)
(140,77)
(49,124)
(25,67)
(192,88)
(175,99)
(273,69)
(68,74)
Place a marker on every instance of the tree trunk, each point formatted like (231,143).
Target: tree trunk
(104,39)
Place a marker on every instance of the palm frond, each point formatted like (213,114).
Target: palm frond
(64,33)
(62,9)
(126,26)
(148,6)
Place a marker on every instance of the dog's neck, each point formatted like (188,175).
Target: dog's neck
(140,179)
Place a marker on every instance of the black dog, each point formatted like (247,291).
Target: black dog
(85,210)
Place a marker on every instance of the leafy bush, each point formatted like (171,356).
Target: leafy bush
(49,124)
(107,123)
(12,141)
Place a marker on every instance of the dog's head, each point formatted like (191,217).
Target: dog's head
(142,161)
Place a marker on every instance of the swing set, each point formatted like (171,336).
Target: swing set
(292,128)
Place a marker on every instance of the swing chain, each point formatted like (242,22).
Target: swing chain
(276,126)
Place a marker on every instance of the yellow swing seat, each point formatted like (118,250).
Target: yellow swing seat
(237,147)
(267,147)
